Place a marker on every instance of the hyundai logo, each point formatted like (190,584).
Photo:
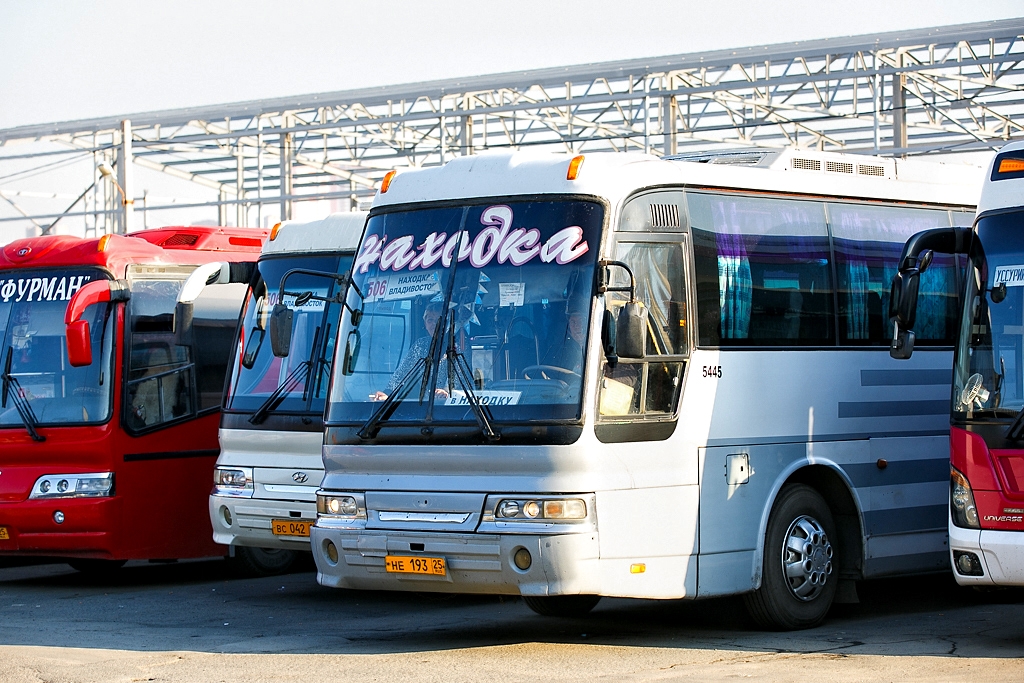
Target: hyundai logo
(24,251)
(300,477)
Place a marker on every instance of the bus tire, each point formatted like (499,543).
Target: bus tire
(96,567)
(257,562)
(561,605)
(799,573)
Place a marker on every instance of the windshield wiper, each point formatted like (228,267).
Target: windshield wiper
(293,379)
(425,367)
(12,388)
(302,373)
(458,368)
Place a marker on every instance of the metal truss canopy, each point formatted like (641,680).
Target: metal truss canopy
(931,91)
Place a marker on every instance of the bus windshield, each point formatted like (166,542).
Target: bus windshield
(34,353)
(501,289)
(300,380)
(989,376)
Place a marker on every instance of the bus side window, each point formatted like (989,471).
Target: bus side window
(763,271)
(868,241)
(160,383)
(650,387)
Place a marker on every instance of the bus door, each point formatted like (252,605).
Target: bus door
(169,413)
(637,399)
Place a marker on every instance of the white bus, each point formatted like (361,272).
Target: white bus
(617,375)
(271,429)
(986,494)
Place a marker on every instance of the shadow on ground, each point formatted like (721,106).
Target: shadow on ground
(203,606)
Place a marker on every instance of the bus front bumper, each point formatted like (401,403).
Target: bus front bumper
(565,564)
(249,521)
(1001,554)
(31,527)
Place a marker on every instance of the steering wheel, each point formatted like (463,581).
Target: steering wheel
(551,372)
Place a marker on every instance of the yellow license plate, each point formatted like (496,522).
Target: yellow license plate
(431,566)
(4,536)
(290,527)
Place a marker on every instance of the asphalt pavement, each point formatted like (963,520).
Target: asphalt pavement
(196,621)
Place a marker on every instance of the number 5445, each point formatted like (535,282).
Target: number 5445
(711,371)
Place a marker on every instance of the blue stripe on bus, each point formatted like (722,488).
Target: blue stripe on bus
(902,520)
(893,378)
(898,472)
(821,438)
(892,408)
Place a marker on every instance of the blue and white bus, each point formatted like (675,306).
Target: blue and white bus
(618,375)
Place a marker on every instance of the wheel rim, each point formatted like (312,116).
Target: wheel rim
(806,558)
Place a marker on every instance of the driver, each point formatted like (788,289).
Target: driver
(569,353)
(418,350)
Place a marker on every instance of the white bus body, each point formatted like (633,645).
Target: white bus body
(763,387)
(268,471)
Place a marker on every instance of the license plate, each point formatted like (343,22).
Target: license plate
(4,536)
(290,527)
(431,566)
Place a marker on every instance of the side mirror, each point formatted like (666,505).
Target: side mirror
(252,347)
(608,337)
(903,298)
(76,330)
(183,323)
(79,343)
(631,330)
(281,330)
(352,343)
(902,346)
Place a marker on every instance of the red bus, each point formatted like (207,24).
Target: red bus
(109,404)
(986,491)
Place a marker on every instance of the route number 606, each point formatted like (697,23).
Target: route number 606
(711,371)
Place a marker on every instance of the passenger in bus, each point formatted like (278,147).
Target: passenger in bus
(418,350)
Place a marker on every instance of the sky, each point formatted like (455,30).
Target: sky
(65,60)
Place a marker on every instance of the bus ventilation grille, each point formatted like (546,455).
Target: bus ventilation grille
(807,164)
(664,216)
(864,169)
(838,167)
(180,240)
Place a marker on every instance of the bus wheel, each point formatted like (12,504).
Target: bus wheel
(96,567)
(263,561)
(799,573)
(561,605)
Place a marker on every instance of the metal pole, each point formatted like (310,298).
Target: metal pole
(239,184)
(125,177)
(899,110)
(878,103)
(647,116)
(259,172)
(670,106)
(286,171)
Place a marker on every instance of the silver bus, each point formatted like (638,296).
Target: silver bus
(617,375)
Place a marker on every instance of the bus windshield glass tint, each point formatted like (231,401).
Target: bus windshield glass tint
(305,372)
(502,289)
(988,380)
(32,306)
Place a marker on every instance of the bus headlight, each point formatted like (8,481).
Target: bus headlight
(91,485)
(233,481)
(961,501)
(350,505)
(543,509)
